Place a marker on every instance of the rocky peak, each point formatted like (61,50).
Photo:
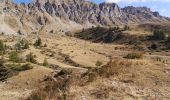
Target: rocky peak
(81,11)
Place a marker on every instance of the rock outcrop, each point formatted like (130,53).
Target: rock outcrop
(70,13)
(82,11)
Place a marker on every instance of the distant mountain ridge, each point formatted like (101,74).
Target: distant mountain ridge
(80,12)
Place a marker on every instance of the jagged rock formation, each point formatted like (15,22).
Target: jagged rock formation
(76,13)
(82,11)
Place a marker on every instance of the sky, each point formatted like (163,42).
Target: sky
(162,6)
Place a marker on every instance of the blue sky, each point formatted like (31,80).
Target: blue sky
(26,1)
(162,6)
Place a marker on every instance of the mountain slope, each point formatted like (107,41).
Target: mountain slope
(65,15)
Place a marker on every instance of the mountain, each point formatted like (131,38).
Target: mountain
(66,15)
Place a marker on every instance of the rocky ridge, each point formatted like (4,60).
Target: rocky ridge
(72,14)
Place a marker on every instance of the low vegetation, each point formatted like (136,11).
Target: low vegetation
(159,34)
(2,47)
(22,44)
(31,58)
(38,42)
(99,63)
(19,67)
(168,42)
(134,55)
(45,63)
(9,70)
(3,71)
(14,57)
(99,34)
(126,27)
(58,89)
(153,46)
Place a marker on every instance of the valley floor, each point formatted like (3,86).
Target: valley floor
(146,78)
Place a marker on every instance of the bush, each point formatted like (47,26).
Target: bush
(108,38)
(14,67)
(25,67)
(2,47)
(159,34)
(168,39)
(31,58)
(135,55)
(126,27)
(99,63)
(154,46)
(38,42)
(3,71)
(19,32)
(10,70)
(19,67)
(23,44)
(45,45)
(168,42)
(45,63)
(13,56)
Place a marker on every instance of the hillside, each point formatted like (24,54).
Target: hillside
(79,50)
(63,16)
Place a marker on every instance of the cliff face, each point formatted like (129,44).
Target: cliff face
(82,11)
(71,14)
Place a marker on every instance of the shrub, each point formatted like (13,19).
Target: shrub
(38,42)
(45,45)
(159,34)
(154,46)
(31,58)
(168,39)
(19,32)
(19,67)
(99,63)
(108,38)
(126,27)
(45,63)
(3,71)
(134,55)
(13,56)
(25,67)
(58,88)
(168,42)
(14,69)
(2,47)
(21,45)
